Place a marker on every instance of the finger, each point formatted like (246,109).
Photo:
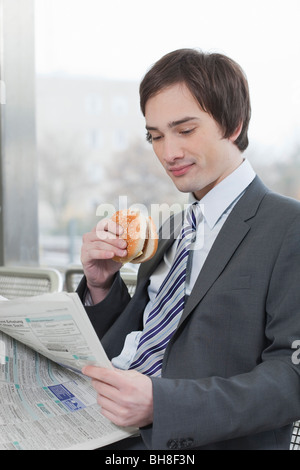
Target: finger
(99,234)
(94,372)
(102,249)
(110,226)
(109,376)
(110,245)
(94,255)
(109,238)
(106,391)
(113,413)
(106,244)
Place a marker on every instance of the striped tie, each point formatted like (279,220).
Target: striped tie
(168,304)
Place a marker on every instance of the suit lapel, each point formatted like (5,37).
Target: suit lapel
(224,247)
(230,237)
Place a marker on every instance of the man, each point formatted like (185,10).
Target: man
(225,378)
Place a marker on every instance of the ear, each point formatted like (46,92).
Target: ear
(236,133)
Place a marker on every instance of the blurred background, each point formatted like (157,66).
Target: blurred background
(89,57)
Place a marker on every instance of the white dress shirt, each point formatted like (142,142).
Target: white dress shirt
(216,206)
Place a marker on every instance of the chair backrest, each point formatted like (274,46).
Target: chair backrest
(74,275)
(295,441)
(130,280)
(25,281)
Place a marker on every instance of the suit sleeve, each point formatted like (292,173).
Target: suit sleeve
(104,314)
(215,409)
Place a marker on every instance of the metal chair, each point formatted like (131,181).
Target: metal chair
(129,277)
(26,281)
(295,440)
(74,275)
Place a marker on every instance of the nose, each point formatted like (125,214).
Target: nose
(172,150)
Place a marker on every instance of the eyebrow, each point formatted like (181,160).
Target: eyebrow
(174,123)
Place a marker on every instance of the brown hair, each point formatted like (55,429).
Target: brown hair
(217,82)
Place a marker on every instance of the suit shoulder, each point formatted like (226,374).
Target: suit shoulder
(282,204)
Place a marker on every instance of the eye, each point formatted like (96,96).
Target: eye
(150,138)
(187,131)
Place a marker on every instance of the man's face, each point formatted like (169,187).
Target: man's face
(188,141)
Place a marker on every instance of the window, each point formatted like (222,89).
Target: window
(90,58)
(120,140)
(95,139)
(94,104)
(119,106)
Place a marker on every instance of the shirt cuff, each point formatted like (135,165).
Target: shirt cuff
(87,299)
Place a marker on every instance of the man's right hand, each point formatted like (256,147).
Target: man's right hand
(98,248)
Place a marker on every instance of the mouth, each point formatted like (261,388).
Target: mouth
(180,170)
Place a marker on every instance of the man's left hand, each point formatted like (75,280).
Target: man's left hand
(125,396)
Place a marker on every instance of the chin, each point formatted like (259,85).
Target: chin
(183,188)
(186,186)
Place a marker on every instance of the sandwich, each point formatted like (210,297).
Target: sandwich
(140,234)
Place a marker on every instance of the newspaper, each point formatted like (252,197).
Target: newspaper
(45,401)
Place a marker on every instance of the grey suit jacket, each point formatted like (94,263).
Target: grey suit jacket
(228,378)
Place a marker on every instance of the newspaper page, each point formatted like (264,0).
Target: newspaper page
(56,326)
(44,406)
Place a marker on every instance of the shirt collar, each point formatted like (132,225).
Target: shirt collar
(219,199)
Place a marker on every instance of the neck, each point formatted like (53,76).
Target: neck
(202,192)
